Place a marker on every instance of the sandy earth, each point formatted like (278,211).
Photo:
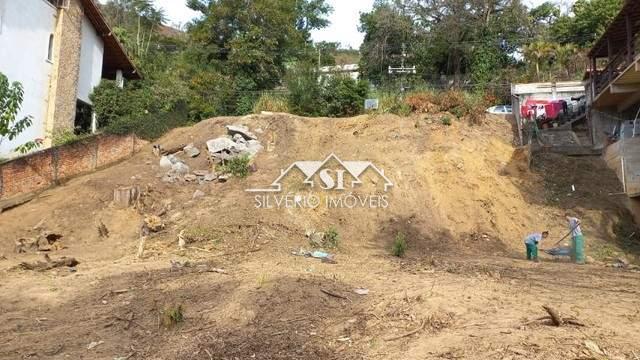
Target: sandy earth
(463,197)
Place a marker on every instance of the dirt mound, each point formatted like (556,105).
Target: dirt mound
(453,191)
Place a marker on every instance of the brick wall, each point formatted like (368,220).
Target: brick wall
(47,168)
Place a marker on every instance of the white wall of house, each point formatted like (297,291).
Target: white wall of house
(25,28)
(91,57)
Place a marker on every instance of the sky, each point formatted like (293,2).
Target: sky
(344,20)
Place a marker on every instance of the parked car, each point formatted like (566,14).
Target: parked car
(500,110)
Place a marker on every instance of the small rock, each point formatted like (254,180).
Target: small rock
(153,223)
(180,168)
(622,261)
(200,172)
(259,131)
(589,260)
(224,177)
(93,344)
(165,162)
(190,178)
(191,151)
(361,291)
(241,130)
(198,194)
(210,177)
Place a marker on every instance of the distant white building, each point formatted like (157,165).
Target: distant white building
(352,70)
(59,50)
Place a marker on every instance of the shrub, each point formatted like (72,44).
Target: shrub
(112,103)
(446,120)
(271,102)
(399,247)
(238,166)
(172,315)
(450,99)
(331,238)
(344,96)
(335,96)
(422,102)
(305,93)
(66,137)
(149,126)
(393,104)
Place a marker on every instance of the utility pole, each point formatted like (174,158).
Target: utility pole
(403,70)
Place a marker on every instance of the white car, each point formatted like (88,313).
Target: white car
(500,110)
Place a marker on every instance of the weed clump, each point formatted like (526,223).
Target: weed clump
(399,247)
(172,316)
(238,166)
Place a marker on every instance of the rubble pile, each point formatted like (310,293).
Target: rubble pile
(239,142)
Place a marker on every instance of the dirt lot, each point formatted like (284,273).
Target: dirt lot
(463,197)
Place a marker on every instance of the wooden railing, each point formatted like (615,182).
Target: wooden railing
(616,65)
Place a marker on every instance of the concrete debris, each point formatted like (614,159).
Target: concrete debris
(220,144)
(166,161)
(198,194)
(241,130)
(180,168)
(191,151)
(239,139)
(254,147)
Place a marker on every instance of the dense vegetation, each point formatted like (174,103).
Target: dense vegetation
(238,57)
(481,44)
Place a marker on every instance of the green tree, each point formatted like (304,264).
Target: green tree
(249,43)
(11,96)
(588,22)
(386,28)
(538,52)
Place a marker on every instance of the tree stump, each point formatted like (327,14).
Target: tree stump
(123,197)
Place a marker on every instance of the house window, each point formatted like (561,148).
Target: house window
(50,49)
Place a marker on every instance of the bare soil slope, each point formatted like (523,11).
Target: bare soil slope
(462,195)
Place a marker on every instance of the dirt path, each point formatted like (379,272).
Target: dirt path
(462,197)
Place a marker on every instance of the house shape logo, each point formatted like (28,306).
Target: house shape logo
(310,168)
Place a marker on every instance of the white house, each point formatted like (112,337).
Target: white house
(59,50)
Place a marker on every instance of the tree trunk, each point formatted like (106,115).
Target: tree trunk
(124,197)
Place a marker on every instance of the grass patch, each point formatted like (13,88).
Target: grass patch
(272,103)
(238,166)
(446,120)
(399,247)
(172,316)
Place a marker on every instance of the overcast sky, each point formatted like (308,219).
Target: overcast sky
(344,20)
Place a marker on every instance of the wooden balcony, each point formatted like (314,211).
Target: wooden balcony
(617,84)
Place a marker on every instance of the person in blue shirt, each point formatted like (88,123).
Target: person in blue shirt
(531,242)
